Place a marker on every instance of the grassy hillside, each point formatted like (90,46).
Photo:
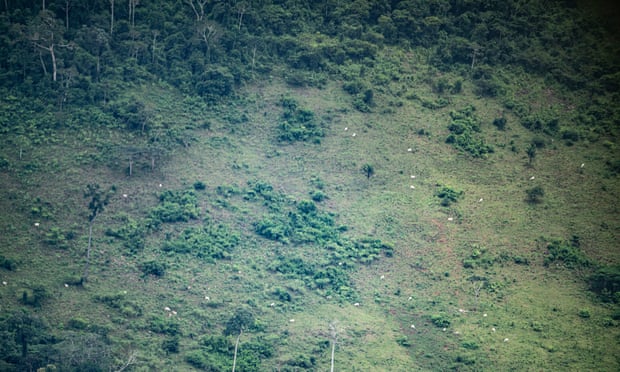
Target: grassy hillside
(400,211)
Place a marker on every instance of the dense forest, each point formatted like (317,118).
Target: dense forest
(178,193)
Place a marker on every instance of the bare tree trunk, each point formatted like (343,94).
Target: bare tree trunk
(42,63)
(236,348)
(67,6)
(111,17)
(54,67)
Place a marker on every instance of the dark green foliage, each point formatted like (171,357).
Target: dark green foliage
(567,254)
(154,268)
(531,153)
(463,133)
(34,296)
(303,361)
(197,359)
(131,232)
(471,345)
(368,170)
(318,196)
(98,199)
(584,313)
(199,185)
(57,238)
(242,320)
(120,302)
(170,344)
(165,326)
(25,340)
(175,206)
(7,263)
(479,257)
(207,242)
(606,283)
(298,124)
(448,195)
(544,123)
(440,321)
(534,195)
(500,123)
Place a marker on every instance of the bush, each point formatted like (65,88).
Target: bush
(176,206)
(463,129)
(500,123)
(199,185)
(606,283)
(154,268)
(440,321)
(535,195)
(448,196)
(7,263)
(569,254)
(298,124)
(171,345)
(34,296)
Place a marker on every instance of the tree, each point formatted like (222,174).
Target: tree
(531,153)
(198,7)
(45,32)
(535,194)
(243,319)
(111,17)
(98,201)
(333,334)
(368,170)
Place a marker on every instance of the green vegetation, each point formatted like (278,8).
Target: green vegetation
(294,185)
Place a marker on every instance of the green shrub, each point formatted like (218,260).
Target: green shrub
(440,321)
(34,296)
(199,185)
(207,242)
(534,195)
(500,123)
(176,206)
(584,313)
(448,196)
(318,196)
(463,129)
(170,344)
(568,254)
(131,232)
(56,237)
(154,268)
(7,263)
(196,358)
(165,326)
(297,124)
(606,283)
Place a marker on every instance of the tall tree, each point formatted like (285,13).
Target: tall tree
(198,6)
(98,201)
(111,17)
(46,33)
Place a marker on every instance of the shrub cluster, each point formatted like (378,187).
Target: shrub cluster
(298,124)
(464,131)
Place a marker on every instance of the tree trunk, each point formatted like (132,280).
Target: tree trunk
(111,17)
(236,347)
(54,68)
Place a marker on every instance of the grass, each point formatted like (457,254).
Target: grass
(536,308)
